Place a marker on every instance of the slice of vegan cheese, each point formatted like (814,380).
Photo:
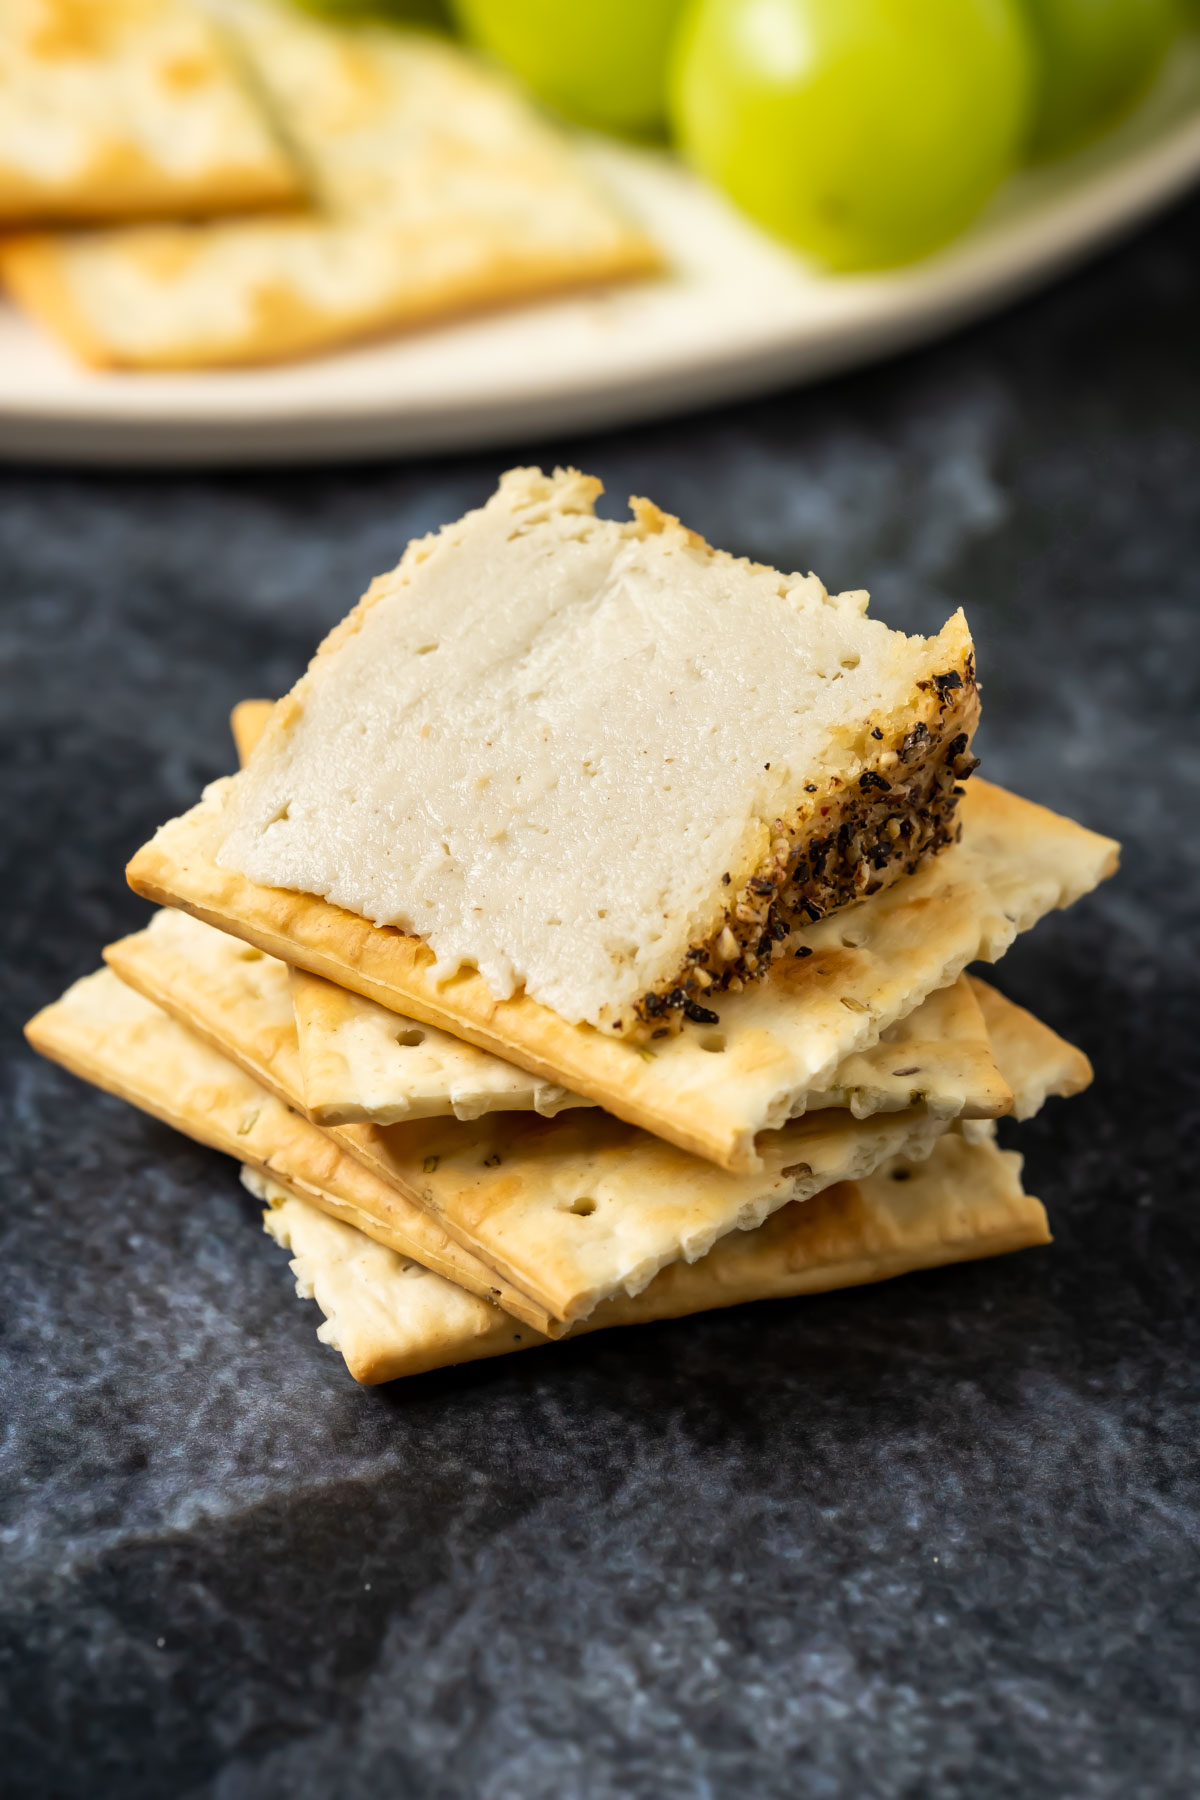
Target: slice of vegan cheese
(602,763)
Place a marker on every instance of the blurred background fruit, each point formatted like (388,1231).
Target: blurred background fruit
(866,132)
(863,132)
(429,14)
(1093,59)
(600,62)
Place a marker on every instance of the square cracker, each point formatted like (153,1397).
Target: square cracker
(362,1063)
(389,1317)
(1032,1058)
(119,109)
(112,1036)
(569,1210)
(583,1207)
(709,1090)
(438,189)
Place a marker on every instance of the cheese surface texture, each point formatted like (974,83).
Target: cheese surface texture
(551,745)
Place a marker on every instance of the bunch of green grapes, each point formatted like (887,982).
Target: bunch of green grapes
(865,132)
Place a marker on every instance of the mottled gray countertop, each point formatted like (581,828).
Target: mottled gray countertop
(935,1538)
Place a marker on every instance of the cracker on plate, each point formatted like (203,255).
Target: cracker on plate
(582,1205)
(112,1036)
(710,1092)
(118,109)
(437,190)
(389,1317)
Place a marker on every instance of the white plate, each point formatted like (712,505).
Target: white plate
(737,316)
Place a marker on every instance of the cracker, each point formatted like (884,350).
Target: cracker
(569,1210)
(387,1315)
(122,109)
(391,1318)
(939,1056)
(247,722)
(363,1064)
(438,190)
(710,1091)
(581,1207)
(1037,1064)
(112,1036)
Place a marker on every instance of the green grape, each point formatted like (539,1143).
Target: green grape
(863,131)
(1095,58)
(600,62)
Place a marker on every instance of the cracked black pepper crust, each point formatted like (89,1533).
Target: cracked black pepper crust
(858,836)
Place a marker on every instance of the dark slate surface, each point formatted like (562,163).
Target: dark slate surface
(938,1538)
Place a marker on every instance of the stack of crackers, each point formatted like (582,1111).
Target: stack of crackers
(256,184)
(458,1172)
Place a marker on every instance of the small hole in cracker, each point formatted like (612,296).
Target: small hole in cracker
(410,1038)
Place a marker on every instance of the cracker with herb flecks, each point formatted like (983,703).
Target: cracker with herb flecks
(565,1215)
(362,1063)
(389,1317)
(1035,1062)
(111,1035)
(864,969)
(203,979)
